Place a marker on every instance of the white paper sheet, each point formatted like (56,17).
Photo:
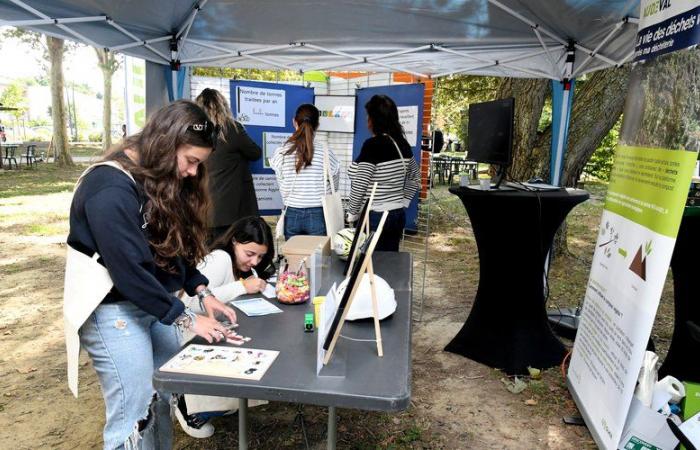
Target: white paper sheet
(256,307)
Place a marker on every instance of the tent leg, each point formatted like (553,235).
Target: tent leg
(562,98)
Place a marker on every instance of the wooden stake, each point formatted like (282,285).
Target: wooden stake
(375,309)
(364,226)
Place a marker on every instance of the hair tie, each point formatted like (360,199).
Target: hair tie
(306,119)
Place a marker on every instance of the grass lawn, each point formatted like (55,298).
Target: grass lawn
(47,178)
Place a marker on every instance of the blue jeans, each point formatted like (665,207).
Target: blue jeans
(125,345)
(306,221)
(392,232)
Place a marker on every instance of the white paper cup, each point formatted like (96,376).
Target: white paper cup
(485,184)
(464,180)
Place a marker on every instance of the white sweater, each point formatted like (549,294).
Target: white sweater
(218,268)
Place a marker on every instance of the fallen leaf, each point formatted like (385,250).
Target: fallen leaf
(535,374)
(27,370)
(516,386)
(530,402)
(396,420)
(7,333)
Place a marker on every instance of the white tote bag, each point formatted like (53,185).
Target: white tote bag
(332,203)
(279,229)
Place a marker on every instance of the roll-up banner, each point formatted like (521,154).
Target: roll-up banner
(643,209)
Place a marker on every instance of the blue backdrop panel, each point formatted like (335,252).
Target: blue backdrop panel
(294,96)
(403,95)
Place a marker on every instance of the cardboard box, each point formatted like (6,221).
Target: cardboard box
(300,247)
(646,430)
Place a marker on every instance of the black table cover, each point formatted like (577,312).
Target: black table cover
(507,327)
(683,358)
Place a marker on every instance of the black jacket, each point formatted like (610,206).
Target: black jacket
(230,180)
(106,217)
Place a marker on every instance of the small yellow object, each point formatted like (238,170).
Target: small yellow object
(318,301)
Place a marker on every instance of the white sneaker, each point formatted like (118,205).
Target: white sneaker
(191,424)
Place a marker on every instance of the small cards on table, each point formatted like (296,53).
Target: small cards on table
(219,361)
(256,307)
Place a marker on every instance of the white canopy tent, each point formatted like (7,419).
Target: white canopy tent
(429,38)
(553,39)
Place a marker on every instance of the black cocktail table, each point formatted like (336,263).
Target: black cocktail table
(507,327)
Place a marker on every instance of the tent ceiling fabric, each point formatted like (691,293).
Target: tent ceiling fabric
(522,38)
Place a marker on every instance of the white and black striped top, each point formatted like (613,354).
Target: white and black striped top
(308,187)
(379,161)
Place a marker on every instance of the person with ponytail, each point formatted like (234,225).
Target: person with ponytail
(138,225)
(299,168)
(386,158)
(230,180)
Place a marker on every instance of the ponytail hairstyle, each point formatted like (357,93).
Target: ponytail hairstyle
(177,208)
(384,115)
(302,140)
(245,230)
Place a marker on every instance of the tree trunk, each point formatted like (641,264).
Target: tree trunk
(58,109)
(108,64)
(529,96)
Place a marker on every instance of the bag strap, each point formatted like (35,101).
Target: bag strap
(294,182)
(403,162)
(113,164)
(327,178)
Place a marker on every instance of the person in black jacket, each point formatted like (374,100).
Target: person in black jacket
(230,180)
(141,214)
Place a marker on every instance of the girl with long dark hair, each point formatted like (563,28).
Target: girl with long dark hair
(138,224)
(385,158)
(237,265)
(299,167)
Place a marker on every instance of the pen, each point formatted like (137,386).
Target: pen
(255,274)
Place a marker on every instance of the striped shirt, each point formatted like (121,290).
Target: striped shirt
(307,190)
(379,161)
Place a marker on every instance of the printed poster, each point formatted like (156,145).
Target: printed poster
(260,106)
(271,142)
(337,113)
(666,26)
(638,229)
(408,117)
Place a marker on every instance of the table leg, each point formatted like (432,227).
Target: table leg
(243,424)
(332,428)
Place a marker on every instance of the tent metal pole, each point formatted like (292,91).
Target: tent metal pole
(549,55)
(596,55)
(116,48)
(399,69)
(589,57)
(268,61)
(61,26)
(211,58)
(401,52)
(185,27)
(561,110)
(136,39)
(522,18)
(269,49)
(29,23)
(332,52)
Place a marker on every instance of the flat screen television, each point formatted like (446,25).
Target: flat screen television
(490,132)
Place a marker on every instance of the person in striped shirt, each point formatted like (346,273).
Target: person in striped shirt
(387,159)
(298,165)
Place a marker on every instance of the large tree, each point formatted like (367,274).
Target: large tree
(108,64)
(58,108)
(53,52)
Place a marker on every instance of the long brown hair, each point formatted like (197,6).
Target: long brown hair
(215,105)
(176,207)
(302,140)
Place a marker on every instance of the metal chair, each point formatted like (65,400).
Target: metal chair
(10,156)
(30,156)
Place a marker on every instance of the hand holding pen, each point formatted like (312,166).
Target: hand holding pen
(254,284)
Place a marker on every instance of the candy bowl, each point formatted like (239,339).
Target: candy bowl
(293,288)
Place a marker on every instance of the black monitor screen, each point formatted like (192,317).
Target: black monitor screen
(490,131)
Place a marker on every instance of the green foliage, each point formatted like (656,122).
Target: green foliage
(15,96)
(95,137)
(453,96)
(600,164)
(247,74)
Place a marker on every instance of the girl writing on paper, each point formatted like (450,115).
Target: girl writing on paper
(385,158)
(299,166)
(137,231)
(245,250)
(230,180)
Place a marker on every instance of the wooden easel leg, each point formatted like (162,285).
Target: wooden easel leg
(375,309)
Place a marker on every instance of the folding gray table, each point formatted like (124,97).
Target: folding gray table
(355,378)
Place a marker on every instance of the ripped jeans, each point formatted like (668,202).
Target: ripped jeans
(125,345)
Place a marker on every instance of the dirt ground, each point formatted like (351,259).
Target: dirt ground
(456,403)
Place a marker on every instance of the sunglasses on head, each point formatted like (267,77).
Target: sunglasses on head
(206,130)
